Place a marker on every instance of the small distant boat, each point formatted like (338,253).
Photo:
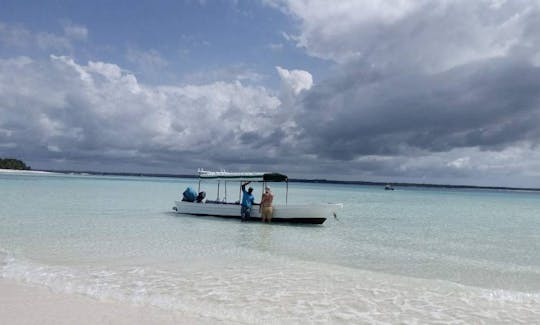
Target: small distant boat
(388,187)
(316,213)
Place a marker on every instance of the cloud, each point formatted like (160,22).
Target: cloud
(277,47)
(60,109)
(416,81)
(488,105)
(75,32)
(18,39)
(232,73)
(149,65)
(417,91)
(15,36)
(295,80)
(426,35)
(459,163)
(149,58)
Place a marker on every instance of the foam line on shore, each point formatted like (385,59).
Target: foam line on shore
(25,172)
(287,292)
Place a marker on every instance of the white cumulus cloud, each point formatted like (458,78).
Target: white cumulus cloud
(295,80)
(87,111)
(427,35)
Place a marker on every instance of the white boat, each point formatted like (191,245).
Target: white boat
(315,213)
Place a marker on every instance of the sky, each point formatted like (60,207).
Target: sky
(423,91)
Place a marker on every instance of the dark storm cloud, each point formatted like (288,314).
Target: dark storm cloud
(420,89)
(440,80)
(487,104)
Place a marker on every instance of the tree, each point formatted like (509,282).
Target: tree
(11,163)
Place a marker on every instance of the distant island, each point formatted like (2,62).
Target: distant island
(394,185)
(11,163)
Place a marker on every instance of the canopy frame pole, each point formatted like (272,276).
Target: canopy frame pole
(286,192)
(219,181)
(240,193)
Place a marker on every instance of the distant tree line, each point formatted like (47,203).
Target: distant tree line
(10,163)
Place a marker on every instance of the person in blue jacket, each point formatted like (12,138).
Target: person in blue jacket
(248,200)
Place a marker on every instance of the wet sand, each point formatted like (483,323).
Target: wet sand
(22,303)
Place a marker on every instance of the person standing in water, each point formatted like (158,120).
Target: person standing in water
(248,200)
(265,208)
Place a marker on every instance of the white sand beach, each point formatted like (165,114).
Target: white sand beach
(22,303)
(22,172)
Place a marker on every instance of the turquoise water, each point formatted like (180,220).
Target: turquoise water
(406,255)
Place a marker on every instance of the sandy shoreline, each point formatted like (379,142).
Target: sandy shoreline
(28,172)
(21,303)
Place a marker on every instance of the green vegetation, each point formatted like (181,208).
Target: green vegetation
(10,163)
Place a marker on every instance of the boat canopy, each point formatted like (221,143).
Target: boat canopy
(243,176)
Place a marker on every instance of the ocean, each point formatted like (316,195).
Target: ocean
(413,255)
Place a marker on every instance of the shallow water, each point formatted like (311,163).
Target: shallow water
(405,255)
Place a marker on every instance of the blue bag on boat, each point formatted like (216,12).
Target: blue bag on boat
(189,195)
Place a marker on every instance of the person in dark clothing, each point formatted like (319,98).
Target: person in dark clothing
(200,198)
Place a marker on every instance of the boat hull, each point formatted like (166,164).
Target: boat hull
(309,214)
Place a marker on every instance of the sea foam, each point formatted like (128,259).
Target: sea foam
(282,291)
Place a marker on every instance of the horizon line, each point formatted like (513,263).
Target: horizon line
(313,180)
